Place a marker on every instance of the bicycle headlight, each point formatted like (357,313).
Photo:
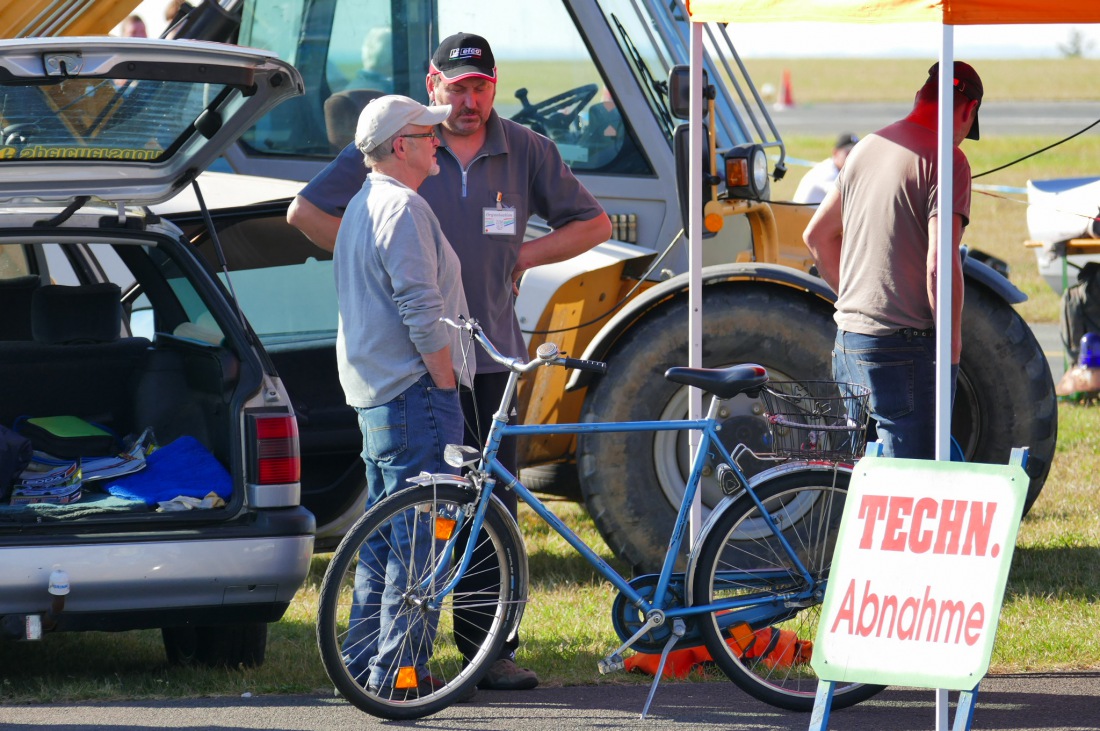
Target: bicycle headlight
(460,455)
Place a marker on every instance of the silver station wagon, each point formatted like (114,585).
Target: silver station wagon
(188,517)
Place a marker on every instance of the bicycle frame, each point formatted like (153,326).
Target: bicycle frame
(490,472)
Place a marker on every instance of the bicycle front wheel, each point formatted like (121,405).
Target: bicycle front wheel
(389,645)
(766,648)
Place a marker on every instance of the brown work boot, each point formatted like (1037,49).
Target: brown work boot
(504,674)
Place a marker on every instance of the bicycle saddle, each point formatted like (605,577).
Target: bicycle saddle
(724,383)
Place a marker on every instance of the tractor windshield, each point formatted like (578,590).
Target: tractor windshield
(350,51)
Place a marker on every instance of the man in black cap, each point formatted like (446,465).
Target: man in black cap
(821,177)
(875,240)
(494,175)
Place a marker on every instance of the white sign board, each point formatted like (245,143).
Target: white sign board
(919,572)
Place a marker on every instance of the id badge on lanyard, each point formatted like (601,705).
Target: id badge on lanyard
(500,221)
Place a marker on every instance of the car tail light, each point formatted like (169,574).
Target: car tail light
(277,459)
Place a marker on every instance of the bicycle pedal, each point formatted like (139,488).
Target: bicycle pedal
(612,664)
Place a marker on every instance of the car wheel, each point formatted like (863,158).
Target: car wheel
(230,646)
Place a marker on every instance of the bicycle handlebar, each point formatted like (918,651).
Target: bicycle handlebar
(592,366)
(548,353)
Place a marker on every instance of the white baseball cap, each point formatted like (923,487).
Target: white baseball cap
(384,117)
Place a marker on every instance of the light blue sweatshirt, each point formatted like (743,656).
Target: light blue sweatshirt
(396,275)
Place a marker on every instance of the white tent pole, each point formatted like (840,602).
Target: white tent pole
(695,257)
(943,281)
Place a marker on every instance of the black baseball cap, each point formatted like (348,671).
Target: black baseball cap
(463,55)
(967,83)
(846,139)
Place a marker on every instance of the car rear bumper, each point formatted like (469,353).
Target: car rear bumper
(157,582)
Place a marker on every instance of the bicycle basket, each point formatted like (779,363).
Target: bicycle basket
(817,419)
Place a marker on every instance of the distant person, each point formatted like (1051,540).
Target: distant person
(821,177)
(376,55)
(875,240)
(605,133)
(133,27)
(174,12)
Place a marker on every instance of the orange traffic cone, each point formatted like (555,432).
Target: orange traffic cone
(786,96)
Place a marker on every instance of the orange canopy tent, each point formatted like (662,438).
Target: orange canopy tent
(959,12)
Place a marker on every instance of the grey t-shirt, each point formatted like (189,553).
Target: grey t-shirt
(888,192)
(396,275)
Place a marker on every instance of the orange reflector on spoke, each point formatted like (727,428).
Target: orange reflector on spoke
(743,635)
(406,678)
(444,528)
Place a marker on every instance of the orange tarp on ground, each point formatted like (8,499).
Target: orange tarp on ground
(958,12)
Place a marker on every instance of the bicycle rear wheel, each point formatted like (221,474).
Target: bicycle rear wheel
(768,656)
(384,647)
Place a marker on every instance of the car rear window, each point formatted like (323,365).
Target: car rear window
(138,120)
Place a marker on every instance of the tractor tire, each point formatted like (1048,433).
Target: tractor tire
(1005,396)
(633,483)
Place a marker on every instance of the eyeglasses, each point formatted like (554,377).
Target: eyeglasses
(421,135)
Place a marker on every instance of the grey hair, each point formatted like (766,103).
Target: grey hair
(380,153)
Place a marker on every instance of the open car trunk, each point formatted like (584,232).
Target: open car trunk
(147,352)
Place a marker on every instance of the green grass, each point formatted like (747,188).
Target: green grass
(821,80)
(1051,609)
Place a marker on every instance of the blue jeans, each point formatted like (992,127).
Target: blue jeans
(900,371)
(401,439)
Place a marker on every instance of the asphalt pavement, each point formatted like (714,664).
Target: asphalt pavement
(1059,119)
(1047,702)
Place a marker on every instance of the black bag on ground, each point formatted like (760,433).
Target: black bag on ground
(1081,308)
(15,455)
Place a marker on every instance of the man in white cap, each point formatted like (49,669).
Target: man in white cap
(496,174)
(399,366)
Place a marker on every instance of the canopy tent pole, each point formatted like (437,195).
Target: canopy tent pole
(945,224)
(946,249)
(695,258)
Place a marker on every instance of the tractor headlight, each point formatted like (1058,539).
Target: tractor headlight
(746,172)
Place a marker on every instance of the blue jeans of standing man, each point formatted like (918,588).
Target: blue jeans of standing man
(401,439)
(900,371)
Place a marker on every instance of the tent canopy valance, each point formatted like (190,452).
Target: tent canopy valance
(959,12)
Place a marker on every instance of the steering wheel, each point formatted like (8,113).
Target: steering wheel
(554,117)
(16,135)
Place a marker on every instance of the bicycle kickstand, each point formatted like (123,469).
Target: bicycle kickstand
(678,631)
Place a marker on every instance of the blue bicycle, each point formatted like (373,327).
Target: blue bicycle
(429,583)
